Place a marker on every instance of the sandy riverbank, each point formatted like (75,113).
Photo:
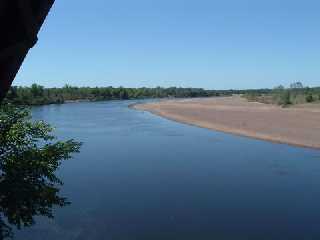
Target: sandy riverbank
(298,126)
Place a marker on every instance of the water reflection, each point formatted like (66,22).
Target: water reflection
(25,194)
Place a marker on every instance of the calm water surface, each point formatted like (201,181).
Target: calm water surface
(139,176)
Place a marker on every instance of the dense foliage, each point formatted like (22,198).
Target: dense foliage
(29,158)
(38,95)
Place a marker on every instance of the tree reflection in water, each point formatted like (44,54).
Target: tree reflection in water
(29,158)
(24,196)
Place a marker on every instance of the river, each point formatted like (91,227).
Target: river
(140,176)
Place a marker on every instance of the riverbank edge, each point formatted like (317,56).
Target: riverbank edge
(237,132)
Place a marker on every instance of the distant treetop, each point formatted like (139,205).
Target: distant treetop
(280,87)
(296,85)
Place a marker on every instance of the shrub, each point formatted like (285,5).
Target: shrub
(285,98)
(309,98)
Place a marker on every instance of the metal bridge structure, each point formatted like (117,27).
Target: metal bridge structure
(20,23)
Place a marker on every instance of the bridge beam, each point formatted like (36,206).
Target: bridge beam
(20,22)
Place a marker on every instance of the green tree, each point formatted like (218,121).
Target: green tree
(37,90)
(123,94)
(29,158)
(285,98)
(309,98)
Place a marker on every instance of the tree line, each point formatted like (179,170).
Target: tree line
(296,93)
(39,95)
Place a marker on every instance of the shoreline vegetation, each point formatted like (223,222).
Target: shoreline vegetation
(294,95)
(39,95)
(297,125)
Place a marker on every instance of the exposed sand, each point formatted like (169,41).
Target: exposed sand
(298,126)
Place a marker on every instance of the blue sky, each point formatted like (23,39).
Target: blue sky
(212,44)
